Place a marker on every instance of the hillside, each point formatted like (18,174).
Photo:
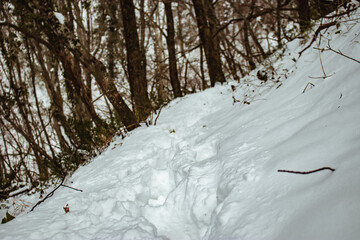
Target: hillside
(209,167)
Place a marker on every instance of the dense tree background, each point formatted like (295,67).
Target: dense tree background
(76,73)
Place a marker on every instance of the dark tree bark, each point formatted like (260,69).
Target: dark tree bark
(278,22)
(136,62)
(142,27)
(83,109)
(203,81)
(170,40)
(206,21)
(246,42)
(112,38)
(84,106)
(324,7)
(304,14)
(108,88)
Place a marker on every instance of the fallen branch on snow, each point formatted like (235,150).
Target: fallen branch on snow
(309,172)
(47,196)
(309,83)
(52,193)
(72,188)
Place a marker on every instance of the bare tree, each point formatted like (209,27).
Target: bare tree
(207,25)
(170,40)
(136,62)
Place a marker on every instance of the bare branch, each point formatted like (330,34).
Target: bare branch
(309,172)
(321,27)
(337,52)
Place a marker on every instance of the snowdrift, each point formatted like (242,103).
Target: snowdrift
(208,169)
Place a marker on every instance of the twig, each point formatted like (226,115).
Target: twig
(309,172)
(321,63)
(347,12)
(52,193)
(309,83)
(72,188)
(340,53)
(97,98)
(323,77)
(235,100)
(158,114)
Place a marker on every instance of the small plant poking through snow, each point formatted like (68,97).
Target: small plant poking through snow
(66,208)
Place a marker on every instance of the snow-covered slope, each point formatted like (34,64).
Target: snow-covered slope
(208,169)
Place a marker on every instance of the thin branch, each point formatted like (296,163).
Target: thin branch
(72,188)
(321,63)
(52,193)
(309,83)
(309,172)
(324,77)
(47,196)
(337,52)
(158,114)
(340,53)
(321,27)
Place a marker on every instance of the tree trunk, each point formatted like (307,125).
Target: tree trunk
(203,81)
(247,47)
(278,22)
(170,40)
(83,109)
(304,14)
(108,88)
(112,39)
(206,26)
(52,84)
(257,43)
(33,76)
(136,62)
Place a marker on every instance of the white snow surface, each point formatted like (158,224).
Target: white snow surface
(208,169)
(60,17)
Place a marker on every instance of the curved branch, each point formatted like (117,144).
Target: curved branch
(48,196)
(321,27)
(309,172)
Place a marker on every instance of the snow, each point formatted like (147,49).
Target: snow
(208,169)
(60,17)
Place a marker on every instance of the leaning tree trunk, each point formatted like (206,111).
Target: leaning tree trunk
(108,88)
(136,61)
(210,42)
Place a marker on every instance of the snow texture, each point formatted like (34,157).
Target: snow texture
(60,17)
(208,169)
